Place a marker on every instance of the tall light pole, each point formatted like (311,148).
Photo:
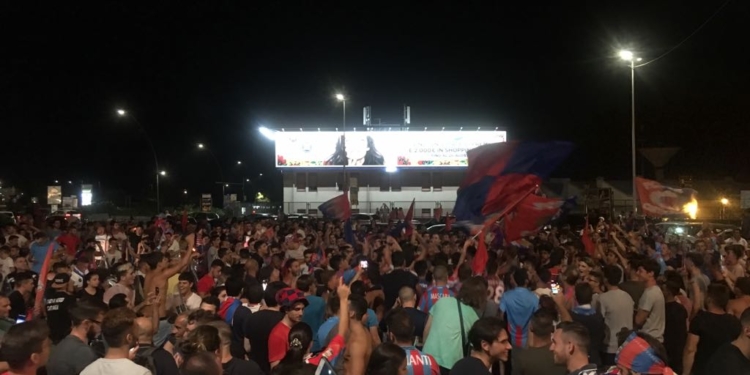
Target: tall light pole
(628,56)
(202,146)
(340,97)
(123,113)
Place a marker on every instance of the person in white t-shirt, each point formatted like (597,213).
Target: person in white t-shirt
(6,262)
(185,294)
(736,239)
(118,329)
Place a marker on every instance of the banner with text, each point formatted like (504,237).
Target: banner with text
(372,149)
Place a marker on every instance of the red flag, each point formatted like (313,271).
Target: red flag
(508,189)
(479,264)
(40,288)
(531,214)
(408,218)
(588,244)
(659,200)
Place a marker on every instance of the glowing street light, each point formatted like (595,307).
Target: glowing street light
(626,55)
(266,132)
(340,97)
(184,191)
(724,201)
(163,173)
(239,162)
(121,112)
(200,145)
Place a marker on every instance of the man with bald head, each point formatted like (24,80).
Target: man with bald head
(407,300)
(158,360)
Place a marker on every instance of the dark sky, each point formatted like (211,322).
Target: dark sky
(211,72)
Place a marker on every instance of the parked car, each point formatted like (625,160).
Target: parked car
(67,214)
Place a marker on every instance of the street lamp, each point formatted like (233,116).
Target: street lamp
(201,146)
(628,56)
(724,204)
(163,173)
(239,162)
(184,191)
(122,113)
(340,97)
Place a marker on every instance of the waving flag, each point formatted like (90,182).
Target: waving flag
(659,200)
(499,173)
(530,215)
(337,208)
(408,218)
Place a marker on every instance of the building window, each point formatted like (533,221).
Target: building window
(395,182)
(437,181)
(312,182)
(425,181)
(385,184)
(301,181)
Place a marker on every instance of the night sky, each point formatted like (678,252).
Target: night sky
(213,73)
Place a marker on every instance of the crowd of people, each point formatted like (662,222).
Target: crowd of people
(282,296)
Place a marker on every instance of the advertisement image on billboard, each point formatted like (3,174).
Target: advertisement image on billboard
(373,149)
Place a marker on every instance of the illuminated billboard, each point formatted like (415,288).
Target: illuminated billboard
(376,149)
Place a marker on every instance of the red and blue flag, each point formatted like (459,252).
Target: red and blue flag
(337,208)
(501,173)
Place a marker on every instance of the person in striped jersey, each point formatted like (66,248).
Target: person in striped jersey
(439,290)
(401,332)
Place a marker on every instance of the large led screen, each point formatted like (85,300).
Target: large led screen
(384,148)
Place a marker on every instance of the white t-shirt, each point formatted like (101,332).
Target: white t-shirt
(22,241)
(6,266)
(192,303)
(652,300)
(298,254)
(729,241)
(616,306)
(103,366)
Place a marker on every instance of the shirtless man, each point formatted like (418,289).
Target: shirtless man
(159,272)
(359,342)
(738,305)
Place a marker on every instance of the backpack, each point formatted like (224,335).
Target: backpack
(145,357)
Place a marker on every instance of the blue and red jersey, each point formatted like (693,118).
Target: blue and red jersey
(418,363)
(432,295)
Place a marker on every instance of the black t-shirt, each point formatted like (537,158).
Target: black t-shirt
(728,359)
(470,365)
(84,296)
(394,281)
(418,319)
(17,304)
(58,314)
(241,367)
(594,322)
(257,328)
(163,362)
(675,333)
(714,331)
(237,348)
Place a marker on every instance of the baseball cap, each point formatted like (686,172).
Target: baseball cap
(61,279)
(287,297)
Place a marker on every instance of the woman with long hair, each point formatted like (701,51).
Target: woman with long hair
(204,338)
(443,331)
(387,359)
(92,291)
(360,150)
